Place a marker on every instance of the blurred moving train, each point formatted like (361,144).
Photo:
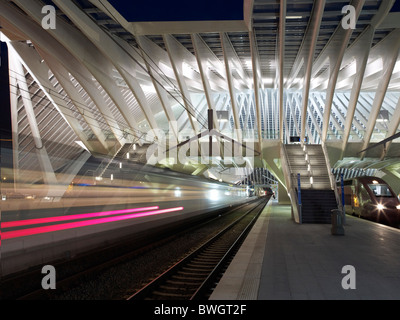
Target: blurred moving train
(371,198)
(104,204)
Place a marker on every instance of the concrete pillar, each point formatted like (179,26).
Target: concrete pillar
(283,197)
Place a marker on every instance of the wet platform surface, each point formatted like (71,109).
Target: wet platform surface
(282,260)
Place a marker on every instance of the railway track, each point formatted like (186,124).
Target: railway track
(194,277)
(72,273)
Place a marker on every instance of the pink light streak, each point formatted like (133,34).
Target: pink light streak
(20,223)
(78,224)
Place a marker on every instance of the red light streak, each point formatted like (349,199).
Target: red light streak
(78,224)
(20,223)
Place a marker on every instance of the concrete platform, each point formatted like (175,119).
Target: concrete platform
(282,260)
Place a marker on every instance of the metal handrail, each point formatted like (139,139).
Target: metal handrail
(331,175)
(289,181)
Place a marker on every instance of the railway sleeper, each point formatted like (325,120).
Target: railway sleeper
(210,255)
(171,295)
(207,261)
(193,273)
(216,250)
(184,282)
(187,278)
(197,269)
(201,266)
(179,289)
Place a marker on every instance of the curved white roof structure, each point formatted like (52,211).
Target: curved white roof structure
(99,74)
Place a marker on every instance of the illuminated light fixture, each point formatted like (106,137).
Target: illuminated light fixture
(20,223)
(398,207)
(112,177)
(383,116)
(99,178)
(309,167)
(380,206)
(294,17)
(223,116)
(127,155)
(134,146)
(120,165)
(311,180)
(374,182)
(306,156)
(78,224)
(177,192)
(81,144)
(213,195)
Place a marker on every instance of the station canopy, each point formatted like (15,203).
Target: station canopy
(100,74)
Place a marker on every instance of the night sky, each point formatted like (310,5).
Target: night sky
(179,10)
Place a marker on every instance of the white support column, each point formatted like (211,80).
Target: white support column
(281,52)
(393,126)
(335,51)
(302,67)
(202,56)
(79,46)
(83,77)
(361,62)
(360,50)
(39,71)
(285,122)
(258,86)
(48,48)
(331,117)
(14,126)
(62,76)
(122,60)
(317,128)
(153,55)
(43,158)
(293,112)
(176,53)
(389,50)
(228,53)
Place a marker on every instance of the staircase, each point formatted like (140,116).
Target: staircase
(317,196)
(317,205)
(122,151)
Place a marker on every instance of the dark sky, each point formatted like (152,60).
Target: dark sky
(179,10)
(396,6)
(5,115)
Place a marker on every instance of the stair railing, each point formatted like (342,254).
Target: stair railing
(290,184)
(331,175)
(111,160)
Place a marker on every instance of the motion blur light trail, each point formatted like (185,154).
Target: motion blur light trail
(20,223)
(70,225)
